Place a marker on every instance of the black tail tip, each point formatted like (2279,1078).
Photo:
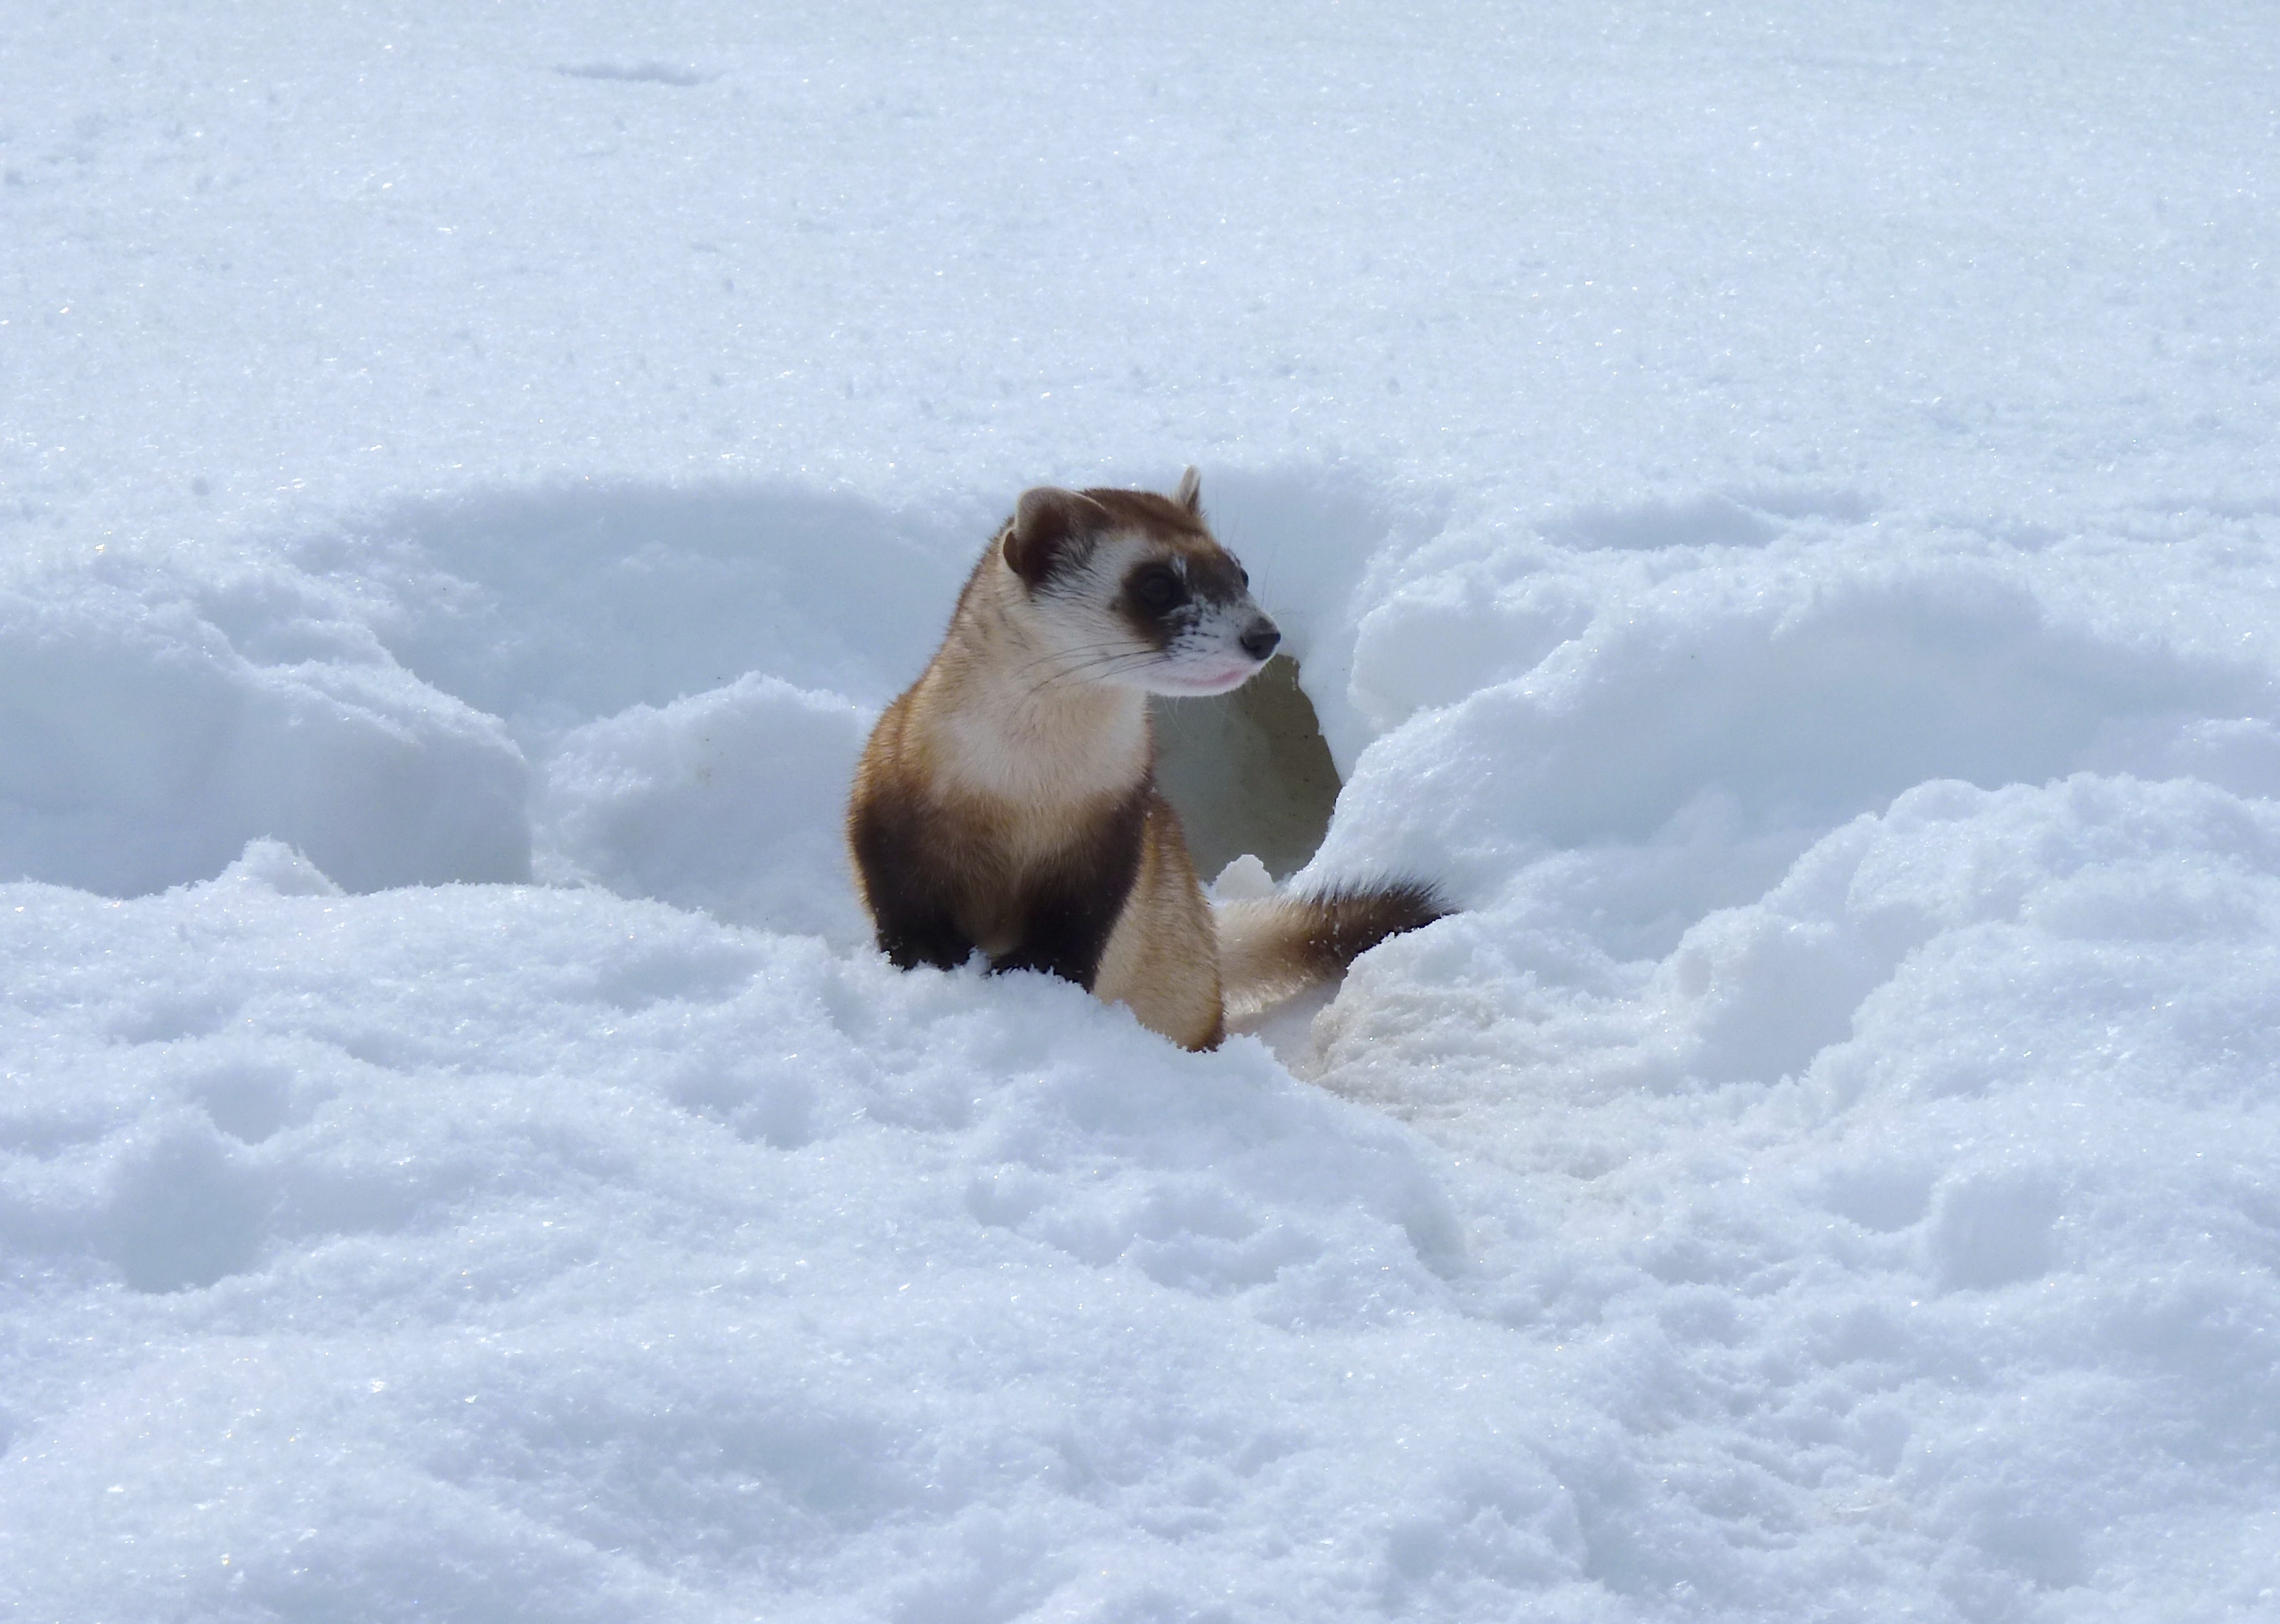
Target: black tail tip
(1351,919)
(1415,901)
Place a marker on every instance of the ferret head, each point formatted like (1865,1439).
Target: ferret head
(1130,587)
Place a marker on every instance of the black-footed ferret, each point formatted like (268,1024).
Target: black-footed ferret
(1008,802)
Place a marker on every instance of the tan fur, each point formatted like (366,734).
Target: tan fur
(1007,800)
(1271,947)
(1163,959)
(1254,939)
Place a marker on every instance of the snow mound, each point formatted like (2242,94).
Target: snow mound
(153,726)
(732,801)
(708,1165)
(1938,1167)
(1673,750)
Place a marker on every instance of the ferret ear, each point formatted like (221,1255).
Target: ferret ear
(1190,494)
(1045,520)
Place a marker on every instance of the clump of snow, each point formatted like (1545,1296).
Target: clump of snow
(1775,513)
(1245,879)
(273,866)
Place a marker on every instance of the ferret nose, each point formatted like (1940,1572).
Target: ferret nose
(1259,638)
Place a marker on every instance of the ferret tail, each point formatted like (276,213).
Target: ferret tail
(1271,947)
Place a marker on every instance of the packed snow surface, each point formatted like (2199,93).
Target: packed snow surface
(1778,509)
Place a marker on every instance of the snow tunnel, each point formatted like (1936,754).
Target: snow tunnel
(1248,772)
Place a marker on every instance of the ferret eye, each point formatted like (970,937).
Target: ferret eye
(1243,576)
(1158,589)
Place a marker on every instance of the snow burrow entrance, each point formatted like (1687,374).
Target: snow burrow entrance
(1248,772)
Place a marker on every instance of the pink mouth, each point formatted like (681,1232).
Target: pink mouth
(1220,682)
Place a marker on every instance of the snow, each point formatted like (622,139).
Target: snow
(1775,509)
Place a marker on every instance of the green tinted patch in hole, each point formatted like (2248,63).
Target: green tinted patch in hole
(1248,772)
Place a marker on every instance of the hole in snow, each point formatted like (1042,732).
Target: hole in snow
(690,670)
(249,1100)
(559,606)
(1248,772)
(184,1214)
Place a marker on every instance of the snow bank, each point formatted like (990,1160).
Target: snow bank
(1653,737)
(154,725)
(433,1256)
(1942,1168)
(1900,1236)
